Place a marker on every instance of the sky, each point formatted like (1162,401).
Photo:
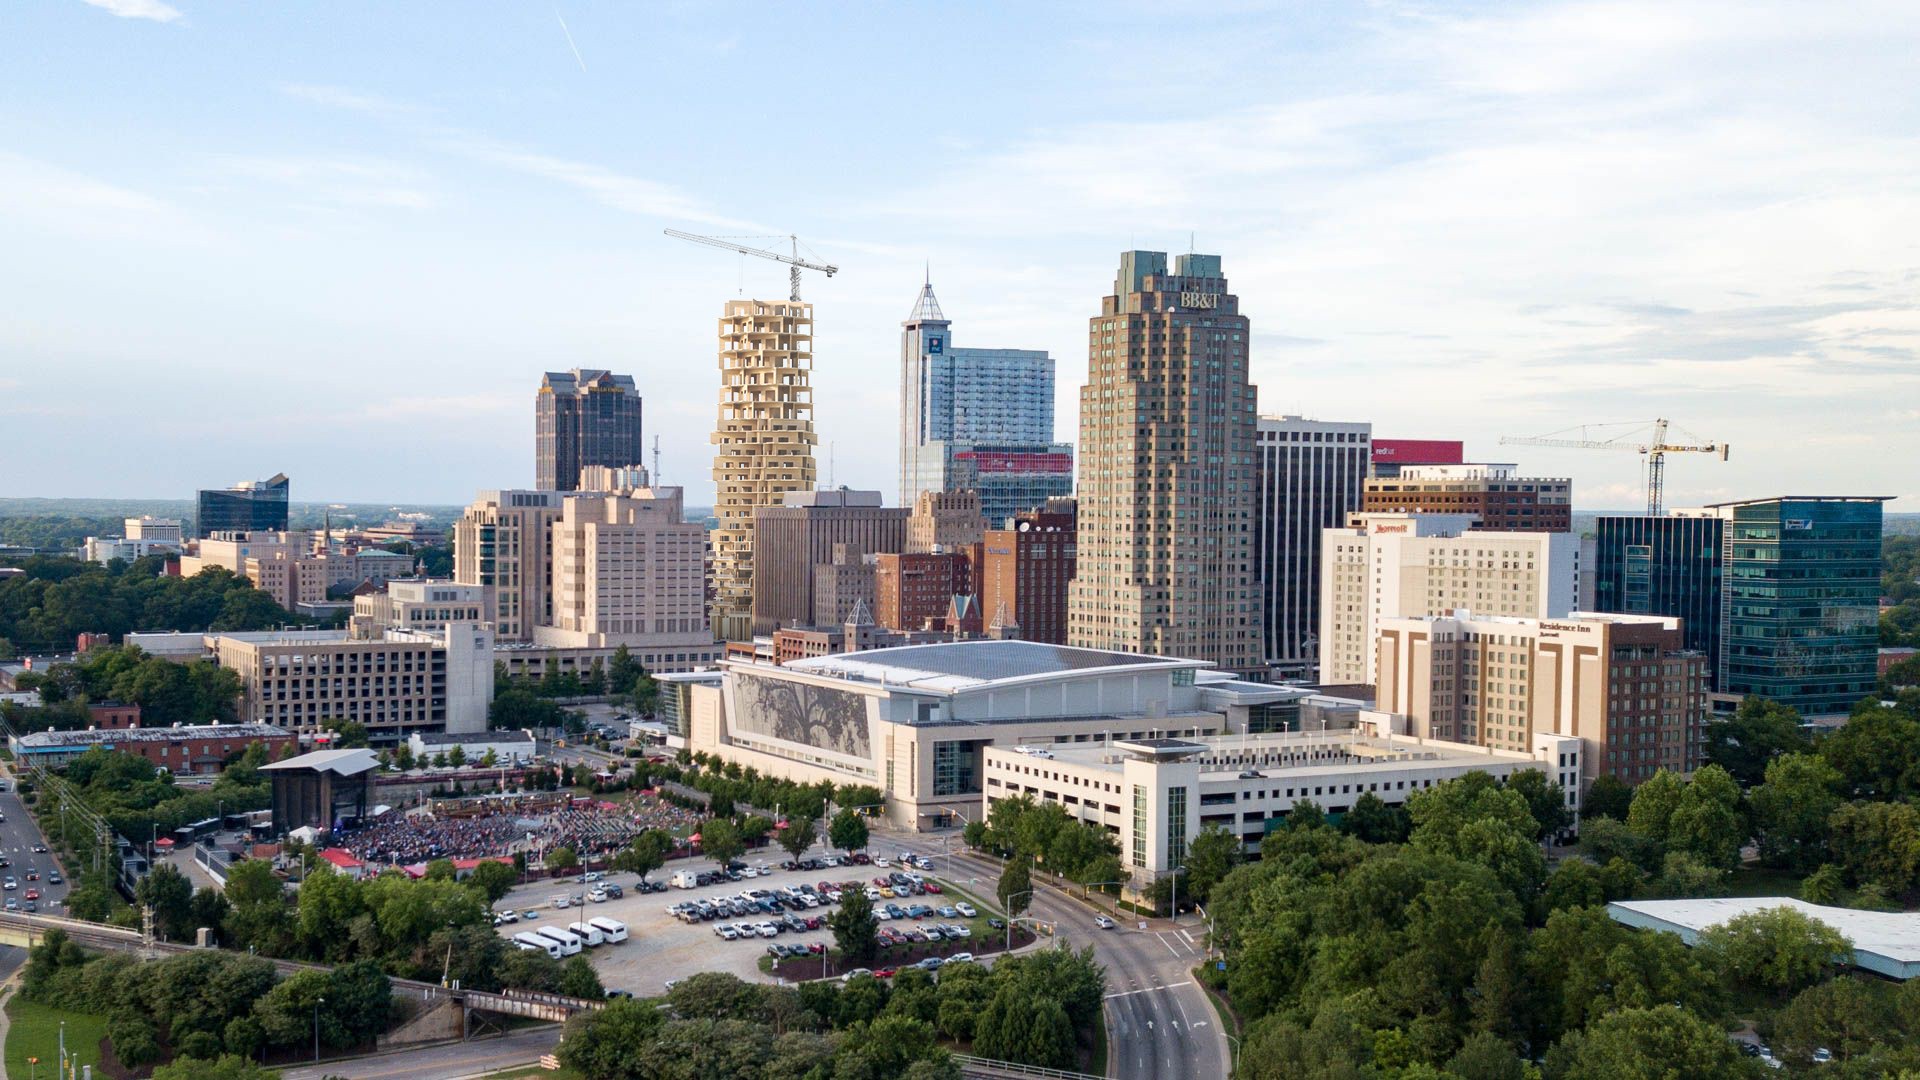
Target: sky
(342,240)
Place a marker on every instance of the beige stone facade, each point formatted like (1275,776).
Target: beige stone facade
(501,541)
(945,521)
(626,569)
(1167,470)
(764,436)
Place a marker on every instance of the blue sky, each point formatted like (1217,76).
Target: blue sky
(342,240)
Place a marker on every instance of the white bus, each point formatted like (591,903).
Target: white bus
(568,941)
(614,930)
(528,940)
(588,933)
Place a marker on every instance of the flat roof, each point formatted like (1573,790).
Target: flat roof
(1351,748)
(1805,498)
(54,740)
(350,762)
(1887,943)
(451,738)
(967,665)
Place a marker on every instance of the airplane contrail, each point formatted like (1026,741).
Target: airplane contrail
(569,33)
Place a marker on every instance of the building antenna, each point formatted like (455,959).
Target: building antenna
(656,462)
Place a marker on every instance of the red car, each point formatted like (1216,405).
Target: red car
(881,882)
(932,888)
(883,973)
(33,894)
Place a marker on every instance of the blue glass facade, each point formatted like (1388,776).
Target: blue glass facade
(1664,566)
(1800,621)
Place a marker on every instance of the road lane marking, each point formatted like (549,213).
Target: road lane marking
(1147,990)
(1168,944)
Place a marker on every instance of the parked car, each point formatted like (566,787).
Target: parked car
(530,914)
(960,958)
(855,973)
(508,917)
(966,909)
(997,924)
(931,963)
(881,860)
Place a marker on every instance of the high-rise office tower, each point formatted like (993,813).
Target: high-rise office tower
(1002,398)
(249,506)
(765,438)
(1668,565)
(1311,473)
(793,541)
(584,417)
(1800,618)
(627,569)
(1167,470)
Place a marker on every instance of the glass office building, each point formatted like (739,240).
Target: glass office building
(1800,619)
(1010,478)
(584,417)
(250,506)
(1669,565)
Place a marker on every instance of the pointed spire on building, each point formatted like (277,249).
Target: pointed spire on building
(1003,627)
(926,308)
(859,616)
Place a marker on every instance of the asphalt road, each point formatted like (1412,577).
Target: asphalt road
(18,837)
(1160,1025)
(444,1062)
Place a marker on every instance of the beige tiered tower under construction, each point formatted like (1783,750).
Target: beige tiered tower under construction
(765,436)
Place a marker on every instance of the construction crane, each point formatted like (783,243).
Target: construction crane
(1655,448)
(794,262)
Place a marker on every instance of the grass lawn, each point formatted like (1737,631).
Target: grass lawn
(35,1032)
(528,1072)
(1097,1056)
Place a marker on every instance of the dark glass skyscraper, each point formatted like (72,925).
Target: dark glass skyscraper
(254,505)
(584,417)
(1800,622)
(1668,565)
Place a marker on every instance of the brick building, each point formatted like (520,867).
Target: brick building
(192,749)
(1025,570)
(1502,500)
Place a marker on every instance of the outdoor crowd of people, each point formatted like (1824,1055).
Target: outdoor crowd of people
(590,828)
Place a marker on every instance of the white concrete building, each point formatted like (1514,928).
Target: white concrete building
(419,605)
(627,569)
(507,747)
(1155,795)
(915,720)
(1386,566)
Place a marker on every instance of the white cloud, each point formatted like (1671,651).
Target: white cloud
(138,9)
(49,198)
(341,182)
(336,97)
(631,194)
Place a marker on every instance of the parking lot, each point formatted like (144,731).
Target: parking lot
(661,947)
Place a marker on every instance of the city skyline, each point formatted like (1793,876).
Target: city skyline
(1608,213)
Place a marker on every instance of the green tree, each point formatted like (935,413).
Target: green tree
(1209,857)
(1546,800)
(798,836)
(721,841)
(1370,819)
(608,1044)
(1791,809)
(1878,844)
(1659,1043)
(1608,796)
(209,909)
(1777,950)
(259,918)
(494,880)
(848,831)
(1654,804)
(645,853)
(859,796)
(1848,1016)
(562,858)
(578,979)
(1824,885)
(623,672)
(346,733)
(457,756)
(1759,731)
(1875,753)
(855,931)
(170,894)
(1015,888)
(1684,875)
(225,1067)
(1708,823)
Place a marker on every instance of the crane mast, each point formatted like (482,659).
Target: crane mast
(1655,449)
(794,262)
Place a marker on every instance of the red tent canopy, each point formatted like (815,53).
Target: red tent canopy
(165,841)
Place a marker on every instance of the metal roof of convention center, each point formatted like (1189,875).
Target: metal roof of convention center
(970,665)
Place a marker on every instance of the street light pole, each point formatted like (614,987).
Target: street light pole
(1010,916)
(317,1002)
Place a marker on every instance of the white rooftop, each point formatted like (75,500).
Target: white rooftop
(1887,943)
(969,665)
(348,762)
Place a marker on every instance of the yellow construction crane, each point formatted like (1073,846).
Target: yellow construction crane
(1655,448)
(794,262)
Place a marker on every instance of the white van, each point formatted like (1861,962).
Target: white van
(613,930)
(568,941)
(684,879)
(588,933)
(538,943)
